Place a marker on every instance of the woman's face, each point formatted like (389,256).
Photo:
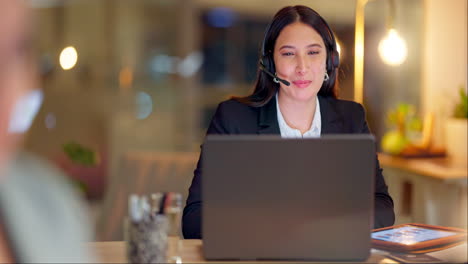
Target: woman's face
(300,56)
(16,74)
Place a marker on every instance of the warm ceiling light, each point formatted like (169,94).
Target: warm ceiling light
(392,48)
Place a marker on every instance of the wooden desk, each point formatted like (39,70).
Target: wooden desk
(115,252)
(427,190)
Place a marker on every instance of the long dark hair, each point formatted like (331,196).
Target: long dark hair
(265,87)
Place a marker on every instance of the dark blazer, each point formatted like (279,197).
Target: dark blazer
(232,117)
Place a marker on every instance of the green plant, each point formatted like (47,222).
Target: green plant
(404,118)
(461,109)
(403,122)
(81,155)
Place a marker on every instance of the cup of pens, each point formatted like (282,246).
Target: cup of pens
(147,228)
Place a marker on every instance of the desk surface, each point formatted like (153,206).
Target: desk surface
(191,251)
(439,168)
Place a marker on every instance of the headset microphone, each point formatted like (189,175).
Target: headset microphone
(275,78)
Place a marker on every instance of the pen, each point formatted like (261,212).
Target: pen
(145,208)
(134,209)
(155,202)
(168,202)
(162,205)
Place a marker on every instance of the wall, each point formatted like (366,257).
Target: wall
(444,59)
(386,86)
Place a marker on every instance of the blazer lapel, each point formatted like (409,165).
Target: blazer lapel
(332,122)
(267,119)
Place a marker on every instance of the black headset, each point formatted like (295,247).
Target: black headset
(266,63)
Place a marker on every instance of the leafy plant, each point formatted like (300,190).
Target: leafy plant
(404,118)
(81,155)
(403,122)
(461,109)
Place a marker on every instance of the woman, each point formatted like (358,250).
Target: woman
(295,97)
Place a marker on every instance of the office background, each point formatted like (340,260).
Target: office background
(149,74)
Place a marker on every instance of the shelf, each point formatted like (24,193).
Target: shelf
(439,168)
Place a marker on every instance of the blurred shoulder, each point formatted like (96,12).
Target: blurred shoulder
(28,170)
(42,201)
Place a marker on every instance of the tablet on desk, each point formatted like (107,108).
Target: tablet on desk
(416,237)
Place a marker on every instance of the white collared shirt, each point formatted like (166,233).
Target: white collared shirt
(288,132)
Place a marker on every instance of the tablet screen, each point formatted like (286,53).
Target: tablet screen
(409,235)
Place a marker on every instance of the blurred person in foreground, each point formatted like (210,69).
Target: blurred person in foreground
(41,220)
(295,97)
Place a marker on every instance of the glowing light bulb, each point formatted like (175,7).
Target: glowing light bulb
(392,48)
(68,58)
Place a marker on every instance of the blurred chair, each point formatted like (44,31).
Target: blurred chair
(142,173)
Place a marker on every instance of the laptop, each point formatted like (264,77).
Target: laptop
(269,198)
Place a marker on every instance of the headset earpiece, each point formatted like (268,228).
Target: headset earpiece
(336,59)
(333,60)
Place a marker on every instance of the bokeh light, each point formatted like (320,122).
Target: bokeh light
(144,105)
(392,48)
(68,58)
(50,121)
